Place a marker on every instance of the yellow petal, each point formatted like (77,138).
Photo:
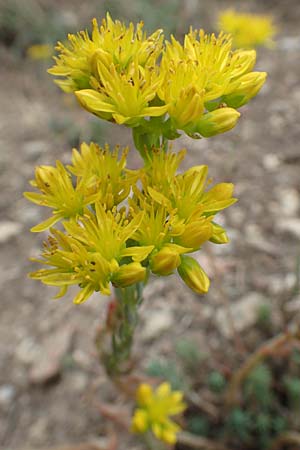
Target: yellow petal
(46,224)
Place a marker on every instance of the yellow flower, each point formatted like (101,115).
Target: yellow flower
(94,253)
(185,193)
(76,59)
(117,74)
(155,408)
(121,97)
(169,214)
(248,30)
(103,172)
(72,263)
(178,213)
(39,51)
(198,76)
(112,73)
(58,193)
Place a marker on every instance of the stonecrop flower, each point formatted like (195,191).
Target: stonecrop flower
(112,72)
(248,30)
(89,254)
(105,241)
(204,81)
(154,409)
(78,58)
(103,171)
(121,75)
(58,193)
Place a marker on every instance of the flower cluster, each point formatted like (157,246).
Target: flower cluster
(119,224)
(154,409)
(248,30)
(122,75)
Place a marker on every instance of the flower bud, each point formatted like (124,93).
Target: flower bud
(129,274)
(218,121)
(193,275)
(196,233)
(166,260)
(219,235)
(250,85)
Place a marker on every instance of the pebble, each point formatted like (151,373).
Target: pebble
(271,162)
(7,394)
(289,201)
(257,240)
(243,312)
(290,226)
(289,43)
(34,149)
(8,230)
(47,366)
(156,322)
(28,351)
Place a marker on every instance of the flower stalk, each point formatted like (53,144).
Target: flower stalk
(115,344)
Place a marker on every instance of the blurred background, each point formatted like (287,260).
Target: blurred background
(51,385)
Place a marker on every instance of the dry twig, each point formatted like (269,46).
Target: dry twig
(199,442)
(210,409)
(287,438)
(267,348)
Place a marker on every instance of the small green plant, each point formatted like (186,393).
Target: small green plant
(189,354)
(167,370)
(198,425)
(216,382)
(239,424)
(264,314)
(258,386)
(292,386)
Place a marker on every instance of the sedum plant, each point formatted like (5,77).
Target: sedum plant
(111,226)
(248,30)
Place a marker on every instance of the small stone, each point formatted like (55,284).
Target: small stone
(103,445)
(289,43)
(156,322)
(290,226)
(48,366)
(271,162)
(28,351)
(33,149)
(279,283)
(38,430)
(289,201)
(8,230)
(29,215)
(78,381)
(243,313)
(293,306)
(256,239)
(7,394)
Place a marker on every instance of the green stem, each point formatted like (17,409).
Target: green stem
(126,318)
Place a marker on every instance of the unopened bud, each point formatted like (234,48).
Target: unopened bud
(250,85)
(166,260)
(218,121)
(193,275)
(129,274)
(219,235)
(196,233)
